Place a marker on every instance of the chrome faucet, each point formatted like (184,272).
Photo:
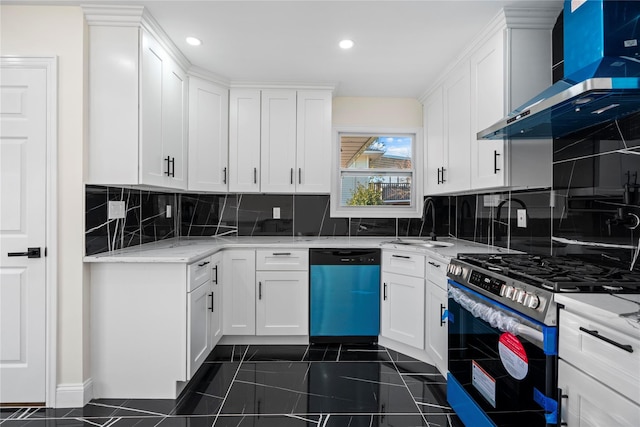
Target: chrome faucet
(429,202)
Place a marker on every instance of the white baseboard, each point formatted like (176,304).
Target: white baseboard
(74,395)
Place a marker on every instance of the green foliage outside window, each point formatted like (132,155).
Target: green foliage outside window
(365,196)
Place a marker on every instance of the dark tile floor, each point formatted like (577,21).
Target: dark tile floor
(277,386)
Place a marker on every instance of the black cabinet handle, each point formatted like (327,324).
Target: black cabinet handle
(299,175)
(560,398)
(259,290)
(434,264)
(202,264)
(282,253)
(594,333)
(173,167)
(30,253)
(215,281)
(384,292)
(400,256)
(255,175)
(439,182)
(224,175)
(495,161)
(168,171)
(291,176)
(442,308)
(211,308)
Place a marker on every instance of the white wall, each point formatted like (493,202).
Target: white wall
(377,112)
(60,31)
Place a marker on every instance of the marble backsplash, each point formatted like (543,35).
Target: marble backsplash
(593,207)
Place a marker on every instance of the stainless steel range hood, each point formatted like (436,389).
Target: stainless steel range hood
(602,75)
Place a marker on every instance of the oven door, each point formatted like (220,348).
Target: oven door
(502,364)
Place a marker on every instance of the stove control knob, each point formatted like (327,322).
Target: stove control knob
(506,291)
(518,295)
(457,270)
(532,301)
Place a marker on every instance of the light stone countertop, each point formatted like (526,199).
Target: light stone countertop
(192,249)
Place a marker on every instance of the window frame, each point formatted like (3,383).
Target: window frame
(413,210)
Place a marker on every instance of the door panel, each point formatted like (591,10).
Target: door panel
(23,158)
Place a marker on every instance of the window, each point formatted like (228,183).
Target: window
(377,174)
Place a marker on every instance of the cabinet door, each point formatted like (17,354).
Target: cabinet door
(174,125)
(589,403)
(208,136)
(153,167)
(313,153)
(215,315)
(198,335)
(402,308)
(434,142)
(278,141)
(487,107)
(282,306)
(457,99)
(436,333)
(244,140)
(239,292)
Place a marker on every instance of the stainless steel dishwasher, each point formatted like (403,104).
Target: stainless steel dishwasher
(344,295)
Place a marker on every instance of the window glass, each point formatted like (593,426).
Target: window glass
(376,152)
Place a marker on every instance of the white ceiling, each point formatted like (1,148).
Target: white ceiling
(400,46)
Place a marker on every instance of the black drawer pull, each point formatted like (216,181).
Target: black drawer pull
(212,302)
(202,264)
(215,281)
(401,256)
(434,264)
(282,253)
(384,292)
(594,333)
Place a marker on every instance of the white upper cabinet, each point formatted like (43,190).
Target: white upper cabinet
(512,66)
(208,136)
(137,104)
(244,140)
(279,140)
(313,149)
(508,65)
(456,90)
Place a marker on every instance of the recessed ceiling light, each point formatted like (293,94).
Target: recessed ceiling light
(346,44)
(194,41)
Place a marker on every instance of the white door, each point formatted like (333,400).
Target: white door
(278,141)
(23,161)
(313,152)
(244,140)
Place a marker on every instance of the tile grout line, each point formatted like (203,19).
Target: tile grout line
(407,387)
(230,385)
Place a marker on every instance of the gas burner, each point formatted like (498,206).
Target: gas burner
(612,288)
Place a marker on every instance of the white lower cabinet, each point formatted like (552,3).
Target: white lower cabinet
(436,303)
(239,292)
(282,306)
(150,327)
(215,315)
(587,402)
(402,305)
(270,299)
(598,371)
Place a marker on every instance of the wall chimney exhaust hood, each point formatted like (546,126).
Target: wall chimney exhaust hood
(601,74)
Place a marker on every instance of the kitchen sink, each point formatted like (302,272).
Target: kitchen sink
(425,243)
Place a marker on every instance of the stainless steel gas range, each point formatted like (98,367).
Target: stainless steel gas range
(503,331)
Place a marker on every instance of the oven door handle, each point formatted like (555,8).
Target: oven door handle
(494,317)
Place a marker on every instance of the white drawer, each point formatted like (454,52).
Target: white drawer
(282,259)
(199,273)
(407,263)
(593,349)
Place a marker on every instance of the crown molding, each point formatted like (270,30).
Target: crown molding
(133,16)
(283,85)
(204,74)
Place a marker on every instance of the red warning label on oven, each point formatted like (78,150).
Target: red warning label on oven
(513,356)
